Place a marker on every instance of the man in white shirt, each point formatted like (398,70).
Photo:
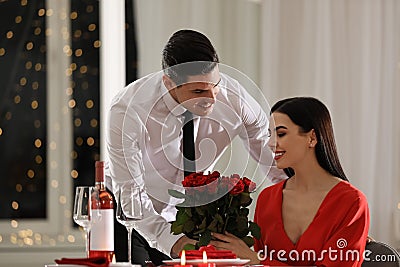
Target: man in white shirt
(145,134)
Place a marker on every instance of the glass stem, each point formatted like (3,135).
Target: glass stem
(129,243)
(87,242)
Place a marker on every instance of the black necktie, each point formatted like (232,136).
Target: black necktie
(189,164)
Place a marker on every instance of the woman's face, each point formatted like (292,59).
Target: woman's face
(289,145)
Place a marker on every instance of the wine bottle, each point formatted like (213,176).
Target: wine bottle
(102,231)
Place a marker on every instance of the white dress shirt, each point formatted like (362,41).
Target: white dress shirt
(144,145)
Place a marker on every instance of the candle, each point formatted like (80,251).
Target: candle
(205,263)
(183,261)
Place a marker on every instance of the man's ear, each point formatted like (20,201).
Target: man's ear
(168,82)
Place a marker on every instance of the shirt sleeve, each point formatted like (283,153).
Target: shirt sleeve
(125,130)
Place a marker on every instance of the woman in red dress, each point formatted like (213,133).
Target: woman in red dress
(316,217)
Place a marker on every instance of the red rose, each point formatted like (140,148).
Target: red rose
(215,174)
(238,186)
(194,180)
(224,183)
(249,185)
(212,188)
(235,175)
(212,177)
(189,180)
(200,180)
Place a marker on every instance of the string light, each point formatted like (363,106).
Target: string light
(74,15)
(17,99)
(28,65)
(74,174)
(93,123)
(35,85)
(29,46)
(18,19)
(10,34)
(92,27)
(89,104)
(90,141)
(41,12)
(77,122)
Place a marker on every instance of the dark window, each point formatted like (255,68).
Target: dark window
(23,141)
(23,109)
(85,45)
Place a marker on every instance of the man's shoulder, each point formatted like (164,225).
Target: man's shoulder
(228,80)
(150,81)
(139,91)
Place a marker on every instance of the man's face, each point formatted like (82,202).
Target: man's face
(198,94)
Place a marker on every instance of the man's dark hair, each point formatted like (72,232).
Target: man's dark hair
(186,53)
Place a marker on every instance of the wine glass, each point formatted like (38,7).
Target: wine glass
(129,210)
(83,213)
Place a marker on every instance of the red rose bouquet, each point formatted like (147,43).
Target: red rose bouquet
(215,203)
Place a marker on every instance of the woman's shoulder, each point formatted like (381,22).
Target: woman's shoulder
(347,192)
(272,190)
(349,188)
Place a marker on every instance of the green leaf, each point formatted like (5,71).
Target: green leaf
(188,211)
(255,230)
(219,218)
(231,225)
(203,224)
(212,209)
(176,228)
(188,226)
(245,199)
(242,223)
(235,202)
(176,194)
(242,233)
(199,231)
(181,217)
(200,210)
(244,212)
(248,240)
(232,211)
(189,247)
(205,238)
(213,226)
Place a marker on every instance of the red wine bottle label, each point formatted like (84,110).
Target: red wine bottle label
(102,231)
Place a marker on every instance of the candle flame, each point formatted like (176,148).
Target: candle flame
(183,258)
(113,259)
(204,257)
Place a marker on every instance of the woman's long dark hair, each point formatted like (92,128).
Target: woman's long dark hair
(310,113)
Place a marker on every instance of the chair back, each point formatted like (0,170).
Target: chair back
(379,254)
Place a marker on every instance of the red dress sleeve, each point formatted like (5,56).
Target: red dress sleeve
(345,248)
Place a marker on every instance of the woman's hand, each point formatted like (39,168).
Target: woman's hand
(230,242)
(179,244)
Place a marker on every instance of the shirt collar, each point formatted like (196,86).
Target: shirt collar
(174,107)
